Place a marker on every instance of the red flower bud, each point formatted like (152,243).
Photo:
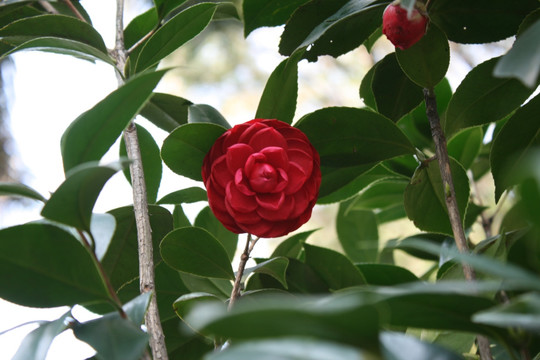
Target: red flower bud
(262,177)
(401,30)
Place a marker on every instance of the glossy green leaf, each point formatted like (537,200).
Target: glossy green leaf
(208,221)
(102,228)
(335,268)
(73,201)
(357,233)
(47,267)
(380,195)
(466,145)
(426,62)
(324,29)
(36,344)
(481,21)
(164,7)
(521,62)
(179,217)
(386,274)
(218,287)
(90,135)
(136,308)
(151,162)
(349,136)
(202,113)
(341,183)
(18,189)
(259,13)
(274,267)
(398,346)
(395,94)
(166,111)
(425,199)
(194,250)
(183,151)
(16,11)
(289,349)
(292,246)
(140,26)
(113,337)
(184,196)
(366,88)
(120,262)
(522,312)
(514,144)
(481,99)
(173,34)
(185,303)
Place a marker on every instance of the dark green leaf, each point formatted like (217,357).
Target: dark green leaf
(522,312)
(151,162)
(398,346)
(166,111)
(341,183)
(403,245)
(183,151)
(36,344)
(73,201)
(16,11)
(259,13)
(219,287)
(380,195)
(333,267)
(278,100)
(386,275)
(208,221)
(45,266)
(426,62)
(481,21)
(194,250)
(274,267)
(90,135)
(292,246)
(395,94)
(425,199)
(185,303)
(17,189)
(466,145)
(102,227)
(140,26)
(113,337)
(348,136)
(179,217)
(136,308)
(482,98)
(173,34)
(184,196)
(357,233)
(202,113)
(164,7)
(514,144)
(366,88)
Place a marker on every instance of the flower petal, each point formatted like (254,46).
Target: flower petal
(270,201)
(238,201)
(267,137)
(276,156)
(220,173)
(283,213)
(297,178)
(237,155)
(304,160)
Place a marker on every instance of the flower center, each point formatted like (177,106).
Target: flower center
(263,178)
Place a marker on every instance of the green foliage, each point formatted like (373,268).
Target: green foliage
(350,296)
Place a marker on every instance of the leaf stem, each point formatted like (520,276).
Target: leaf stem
(235,294)
(441,151)
(74,10)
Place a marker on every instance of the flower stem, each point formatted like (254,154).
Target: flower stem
(441,150)
(235,294)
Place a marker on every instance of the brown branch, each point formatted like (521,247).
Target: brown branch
(441,150)
(235,294)
(74,10)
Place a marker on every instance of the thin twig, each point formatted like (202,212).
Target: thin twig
(142,40)
(74,10)
(441,150)
(235,294)
(48,7)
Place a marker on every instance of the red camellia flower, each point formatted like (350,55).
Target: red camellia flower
(401,30)
(262,177)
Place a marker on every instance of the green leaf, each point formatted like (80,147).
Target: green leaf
(136,308)
(73,201)
(17,189)
(522,312)
(380,195)
(278,100)
(183,151)
(140,26)
(113,337)
(184,196)
(274,267)
(90,135)
(521,62)
(514,145)
(386,274)
(341,183)
(357,233)
(289,349)
(324,29)
(481,99)
(259,13)
(202,113)
(348,136)
(218,287)
(120,262)
(395,94)
(466,145)
(425,199)
(102,228)
(185,303)
(194,250)
(366,88)
(426,62)
(481,21)
(179,217)
(166,111)
(336,270)
(36,344)
(164,7)
(292,246)
(208,221)
(151,162)
(173,34)
(398,346)
(47,267)
(16,11)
